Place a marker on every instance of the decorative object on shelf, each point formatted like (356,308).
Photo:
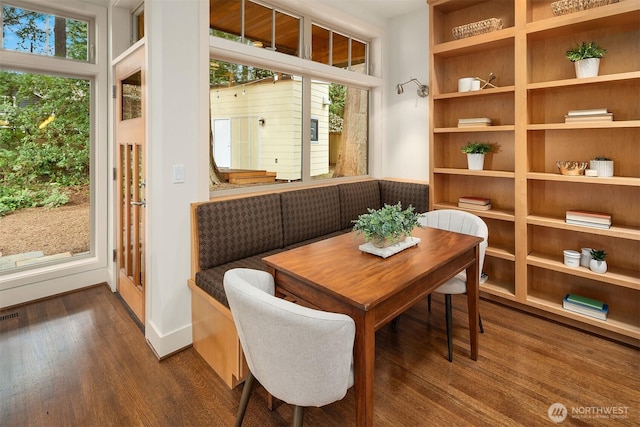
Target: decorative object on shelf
(386,226)
(467,84)
(570,167)
(588,219)
(603,165)
(597,263)
(593,115)
(587,306)
(571,258)
(423,90)
(474,122)
(487,82)
(586,57)
(563,7)
(585,257)
(474,203)
(475,152)
(476,28)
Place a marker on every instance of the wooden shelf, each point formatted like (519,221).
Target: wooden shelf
(613,276)
(611,324)
(537,88)
(614,180)
(475,93)
(485,172)
(502,215)
(615,231)
(608,78)
(503,128)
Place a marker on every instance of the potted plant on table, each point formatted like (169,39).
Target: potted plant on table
(586,57)
(386,226)
(475,152)
(597,263)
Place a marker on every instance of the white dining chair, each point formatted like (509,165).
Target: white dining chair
(299,355)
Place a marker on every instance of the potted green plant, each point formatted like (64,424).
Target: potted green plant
(386,226)
(475,152)
(597,263)
(603,165)
(586,57)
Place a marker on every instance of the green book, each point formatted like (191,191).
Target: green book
(587,302)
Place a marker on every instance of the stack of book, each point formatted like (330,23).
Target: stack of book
(475,203)
(474,122)
(588,219)
(595,115)
(586,306)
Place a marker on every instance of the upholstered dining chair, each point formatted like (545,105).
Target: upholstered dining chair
(300,356)
(460,222)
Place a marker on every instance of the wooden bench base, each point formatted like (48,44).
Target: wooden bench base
(215,337)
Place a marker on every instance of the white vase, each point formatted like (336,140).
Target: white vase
(475,161)
(598,266)
(604,167)
(587,67)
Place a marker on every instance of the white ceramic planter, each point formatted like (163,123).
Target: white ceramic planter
(475,161)
(585,257)
(587,67)
(604,167)
(598,266)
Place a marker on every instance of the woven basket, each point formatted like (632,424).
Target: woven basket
(475,28)
(563,7)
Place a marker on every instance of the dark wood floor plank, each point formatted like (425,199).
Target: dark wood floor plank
(80,359)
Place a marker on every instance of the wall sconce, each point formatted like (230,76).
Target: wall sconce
(423,90)
(261,121)
(326,101)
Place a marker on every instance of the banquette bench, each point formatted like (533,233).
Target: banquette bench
(239,232)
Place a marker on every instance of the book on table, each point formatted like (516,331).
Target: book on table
(577,306)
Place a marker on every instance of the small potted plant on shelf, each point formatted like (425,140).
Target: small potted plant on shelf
(603,165)
(597,263)
(475,152)
(386,226)
(586,57)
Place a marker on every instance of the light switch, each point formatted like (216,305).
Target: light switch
(178,174)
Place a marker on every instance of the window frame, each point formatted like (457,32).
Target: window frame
(55,277)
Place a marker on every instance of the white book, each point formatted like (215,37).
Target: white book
(588,112)
(475,120)
(588,224)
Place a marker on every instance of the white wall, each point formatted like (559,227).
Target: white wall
(406,117)
(177,134)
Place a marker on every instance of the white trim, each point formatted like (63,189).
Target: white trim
(166,344)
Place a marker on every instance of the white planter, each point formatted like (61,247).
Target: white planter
(475,161)
(604,167)
(598,266)
(587,67)
(585,257)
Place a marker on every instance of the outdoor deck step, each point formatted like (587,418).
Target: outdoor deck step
(31,261)
(9,261)
(247,176)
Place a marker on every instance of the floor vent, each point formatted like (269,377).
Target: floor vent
(8,316)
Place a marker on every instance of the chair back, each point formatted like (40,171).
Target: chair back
(460,222)
(300,355)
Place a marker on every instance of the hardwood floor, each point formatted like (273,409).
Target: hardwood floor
(80,360)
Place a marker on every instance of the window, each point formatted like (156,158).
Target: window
(39,33)
(314,130)
(48,143)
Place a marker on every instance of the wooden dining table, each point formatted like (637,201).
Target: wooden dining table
(335,275)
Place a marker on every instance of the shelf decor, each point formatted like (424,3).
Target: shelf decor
(570,167)
(475,28)
(586,57)
(563,7)
(603,165)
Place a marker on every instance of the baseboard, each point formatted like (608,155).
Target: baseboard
(166,345)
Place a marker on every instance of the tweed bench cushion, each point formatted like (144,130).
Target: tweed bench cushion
(355,199)
(230,230)
(409,193)
(309,213)
(210,280)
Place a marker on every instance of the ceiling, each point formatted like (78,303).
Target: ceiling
(384,9)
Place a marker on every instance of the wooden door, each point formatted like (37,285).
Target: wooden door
(131,179)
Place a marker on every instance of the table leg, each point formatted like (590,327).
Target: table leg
(473,297)
(364,358)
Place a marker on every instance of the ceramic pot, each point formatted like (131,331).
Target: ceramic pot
(585,257)
(587,67)
(598,266)
(604,167)
(475,161)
